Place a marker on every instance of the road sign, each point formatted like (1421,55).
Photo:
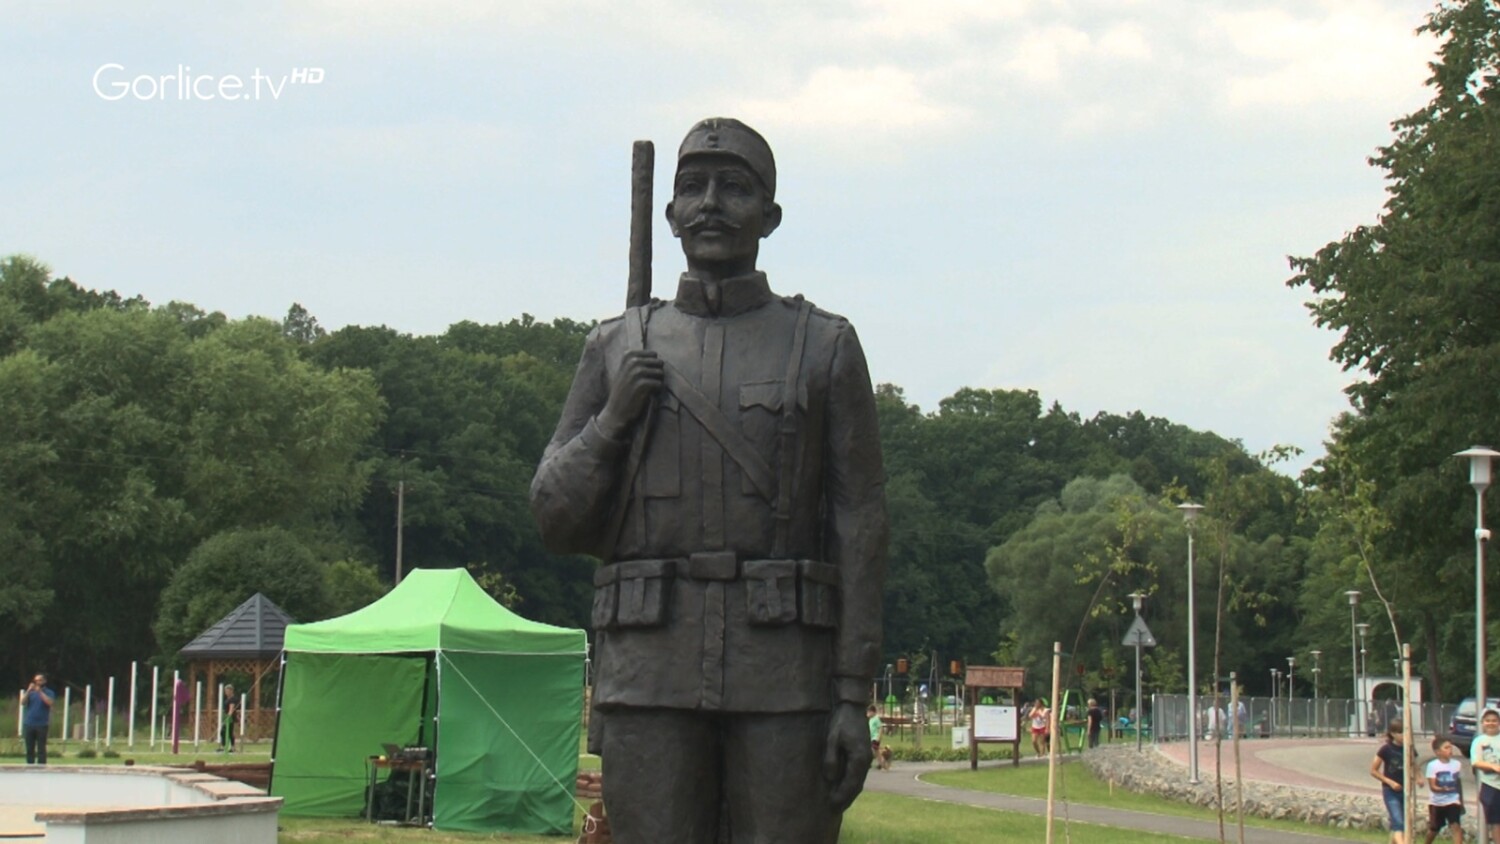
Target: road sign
(1140,634)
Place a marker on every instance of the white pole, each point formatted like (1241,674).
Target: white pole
(88,706)
(1192,669)
(67,705)
(155,694)
(1053,738)
(197,710)
(176,727)
(130,730)
(243,697)
(20,713)
(109,715)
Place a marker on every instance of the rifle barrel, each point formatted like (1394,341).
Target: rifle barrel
(642,167)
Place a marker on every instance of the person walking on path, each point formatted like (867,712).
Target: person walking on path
(1095,722)
(229,707)
(876,725)
(1445,796)
(1389,767)
(1484,758)
(1040,722)
(36,718)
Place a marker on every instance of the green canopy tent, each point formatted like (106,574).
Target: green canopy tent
(435,662)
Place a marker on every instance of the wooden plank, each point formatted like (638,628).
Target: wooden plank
(994,677)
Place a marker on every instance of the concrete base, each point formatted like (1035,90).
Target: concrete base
(135,805)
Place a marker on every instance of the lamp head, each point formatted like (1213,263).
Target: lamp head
(1353,596)
(1479,458)
(1190,511)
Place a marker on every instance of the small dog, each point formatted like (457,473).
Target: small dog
(883,759)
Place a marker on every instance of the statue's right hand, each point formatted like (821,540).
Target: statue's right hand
(639,379)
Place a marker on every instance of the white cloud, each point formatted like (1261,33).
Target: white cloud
(1041,55)
(1280,58)
(907,20)
(871,98)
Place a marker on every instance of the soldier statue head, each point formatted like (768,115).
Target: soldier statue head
(723,197)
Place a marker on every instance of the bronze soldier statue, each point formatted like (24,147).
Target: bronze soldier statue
(719,453)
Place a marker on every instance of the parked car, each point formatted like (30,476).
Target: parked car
(1462,727)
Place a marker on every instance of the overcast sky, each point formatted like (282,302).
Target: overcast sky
(1094,199)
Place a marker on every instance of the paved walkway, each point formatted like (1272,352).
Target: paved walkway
(1334,765)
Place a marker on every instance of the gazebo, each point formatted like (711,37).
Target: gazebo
(247,642)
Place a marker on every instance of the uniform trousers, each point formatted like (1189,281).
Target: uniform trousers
(668,774)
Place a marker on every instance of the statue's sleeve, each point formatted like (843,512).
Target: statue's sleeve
(575,484)
(857,529)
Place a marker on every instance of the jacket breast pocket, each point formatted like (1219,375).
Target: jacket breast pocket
(661,468)
(770,592)
(645,593)
(760,414)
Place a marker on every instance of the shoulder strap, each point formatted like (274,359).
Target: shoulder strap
(788,432)
(635,340)
(722,430)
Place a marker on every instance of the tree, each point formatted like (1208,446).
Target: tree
(351,585)
(1067,573)
(471,412)
(1412,297)
(227,569)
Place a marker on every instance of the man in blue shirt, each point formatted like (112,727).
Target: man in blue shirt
(36,704)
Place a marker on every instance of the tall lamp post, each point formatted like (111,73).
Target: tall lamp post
(1275,696)
(1190,513)
(1317,710)
(1479,458)
(1136,599)
(1291,672)
(1364,629)
(1353,596)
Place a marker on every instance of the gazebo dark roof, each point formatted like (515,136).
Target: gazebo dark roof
(253,630)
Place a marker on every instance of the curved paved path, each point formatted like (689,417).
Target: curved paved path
(1335,765)
(1341,765)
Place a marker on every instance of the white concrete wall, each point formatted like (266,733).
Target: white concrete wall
(91,787)
(140,805)
(258,828)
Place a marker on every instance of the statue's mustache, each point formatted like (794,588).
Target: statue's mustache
(700,223)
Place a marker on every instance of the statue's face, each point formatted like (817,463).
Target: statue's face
(720,211)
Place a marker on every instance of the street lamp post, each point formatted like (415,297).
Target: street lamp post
(1136,598)
(1364,629)
(1479,458)
(1190,513)
(1275,696)
(1291,671)
(1353,596)
(1317,710)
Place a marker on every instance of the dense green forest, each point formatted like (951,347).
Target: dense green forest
(160,463)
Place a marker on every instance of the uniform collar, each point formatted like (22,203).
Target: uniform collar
(735,295)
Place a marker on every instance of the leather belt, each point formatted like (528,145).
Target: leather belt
(704,565)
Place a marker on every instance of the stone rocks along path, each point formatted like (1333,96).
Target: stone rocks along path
(905,780)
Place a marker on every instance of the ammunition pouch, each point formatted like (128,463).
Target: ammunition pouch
(637,593)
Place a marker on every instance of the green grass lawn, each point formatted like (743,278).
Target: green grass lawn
(1075,784)
(874,819)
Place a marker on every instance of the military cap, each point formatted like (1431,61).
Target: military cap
(727,136)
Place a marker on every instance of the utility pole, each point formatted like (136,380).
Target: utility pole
(400,514)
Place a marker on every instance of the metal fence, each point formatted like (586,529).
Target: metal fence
(1290,717)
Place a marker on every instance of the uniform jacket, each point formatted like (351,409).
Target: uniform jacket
(696,607)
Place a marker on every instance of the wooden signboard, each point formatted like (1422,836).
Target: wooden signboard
(993,724)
